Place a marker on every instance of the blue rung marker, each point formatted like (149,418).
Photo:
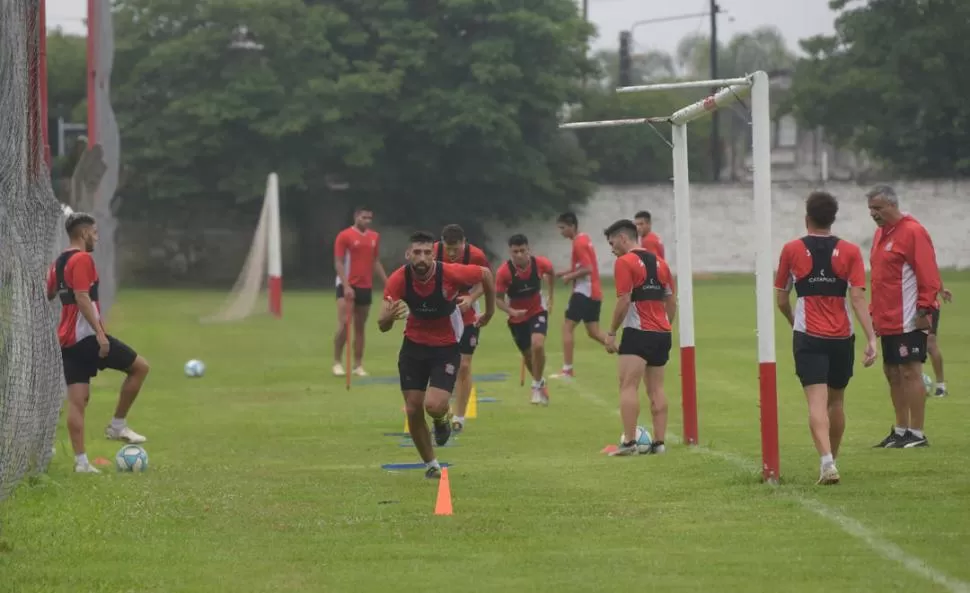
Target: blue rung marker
(400,466)
(397,434)
(490,377)
(487,400)
(410,443)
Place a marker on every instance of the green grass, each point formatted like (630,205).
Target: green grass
(265,475)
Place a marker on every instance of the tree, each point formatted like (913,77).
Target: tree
(66,73)
(762,49)
(892,81)
(652,66)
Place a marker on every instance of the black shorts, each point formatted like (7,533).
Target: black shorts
(469,339)
(653,347)
(903,348)
(934,329)
(362,296)
(81,361)
(827,361)
(582,308)
(522,332)
(423,366)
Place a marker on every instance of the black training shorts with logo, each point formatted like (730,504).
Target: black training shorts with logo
(823,361)
(422,366)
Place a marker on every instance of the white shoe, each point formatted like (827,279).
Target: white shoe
(338,370)
(536,397)
(85,468)
(124,434)
(828,475)
(360,372)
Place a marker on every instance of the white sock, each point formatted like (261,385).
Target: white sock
(917,433)
(536,384)
(460,419)
(900,430)
(81,459)
(567,367)
(117,423)
(433,463)
(941,385)
(827,460)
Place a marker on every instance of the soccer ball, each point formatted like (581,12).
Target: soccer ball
(194,368)
(644,439)
(131,458)
(927,383)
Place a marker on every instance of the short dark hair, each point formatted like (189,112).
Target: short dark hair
(642,214)
(421,237)
(568,218)
(821,208)
(77,221)
(360,209)
(518,240)
(625,226)
(452,234)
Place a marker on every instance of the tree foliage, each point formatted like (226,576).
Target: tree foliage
(893,81)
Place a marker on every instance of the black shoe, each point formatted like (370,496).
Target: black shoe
(893,441)
(442,430)
(910,441)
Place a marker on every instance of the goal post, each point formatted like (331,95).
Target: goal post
(263,266)
(729,90)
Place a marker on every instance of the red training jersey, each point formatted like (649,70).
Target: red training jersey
(442,331)
(471,256)
(584,256)
(836,267)
(651,242)
(630,272)
(359,250)
(533,304)
(904,276)
(80,274)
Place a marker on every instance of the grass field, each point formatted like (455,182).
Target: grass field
(265,475)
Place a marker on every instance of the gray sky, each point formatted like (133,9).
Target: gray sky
(795,18)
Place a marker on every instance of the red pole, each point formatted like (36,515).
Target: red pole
(770,455)
(92,72)
(688,391)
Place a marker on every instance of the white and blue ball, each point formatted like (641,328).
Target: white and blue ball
(644,440)
(131,458)
(194,368)
(927,383)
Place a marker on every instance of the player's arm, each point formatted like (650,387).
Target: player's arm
(339,254)
(670,297)
(51,284)
(928,282)
(488,288)
(378,266)
(783,283)
(624,292)
(503,279)
(392,308)
(80,273)
(549,276)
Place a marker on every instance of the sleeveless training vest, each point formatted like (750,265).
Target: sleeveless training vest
(66,293)
(651,289)
(821,281)
(520,288)
(433,306)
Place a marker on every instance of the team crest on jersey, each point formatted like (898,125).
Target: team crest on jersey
(473,341)
(889,246)
(449,369)
(903,351)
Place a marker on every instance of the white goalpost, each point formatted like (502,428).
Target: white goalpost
(729,90)
(263,267)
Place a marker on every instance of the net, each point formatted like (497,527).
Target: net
(31,377)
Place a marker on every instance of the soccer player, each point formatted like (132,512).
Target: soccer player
(645,308)
(453,248)
(933,346)
(356,255)
(86,347)
(426,291)
(823,269)
(518,292)
(587,297)
(649,240)
(905,281)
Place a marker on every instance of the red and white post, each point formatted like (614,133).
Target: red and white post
(274,261)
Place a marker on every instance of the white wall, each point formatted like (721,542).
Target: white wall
(723,226)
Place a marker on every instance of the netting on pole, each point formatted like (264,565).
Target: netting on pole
(31,377)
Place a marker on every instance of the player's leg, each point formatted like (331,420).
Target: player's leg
(936,357)
(463,385)
(836,420)
(414,369)
(813,368)
(841,369)
(362,303)
(79,367)
(445,361)
(537,359)
(658,354)
(122,358)
(340,336)
(891,366)
(573,317)
(591,319)
(630,369)
(915,390)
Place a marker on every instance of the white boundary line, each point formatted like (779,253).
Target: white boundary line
(877,544)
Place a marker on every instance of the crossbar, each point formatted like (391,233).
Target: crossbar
(710,103)
(611,123)
(691,84)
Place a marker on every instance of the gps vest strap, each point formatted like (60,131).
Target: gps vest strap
(65,292)
(821,281)
(520,288)
(433,306)
(651,289)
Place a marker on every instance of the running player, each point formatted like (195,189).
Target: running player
(86,347)
(645,309)
(823,269)
(933,347)
(518,292)
(587,297)
(453,248)
(356,255)
(425,292)
(649,240)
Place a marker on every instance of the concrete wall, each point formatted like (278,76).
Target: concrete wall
(724,229)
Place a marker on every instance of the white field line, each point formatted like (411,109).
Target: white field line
(877,544)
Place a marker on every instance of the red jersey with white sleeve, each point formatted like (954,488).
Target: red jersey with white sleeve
(359,251)
(821,268)
(80,274)
(904,276)
(584,256)
(524,288)
(440,331)
(651,242)
(646,278)
(471,255)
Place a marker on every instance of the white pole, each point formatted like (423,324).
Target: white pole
(825,165)
(274,262)
(761,159)
(719,99)
(610,123)
(693,84)
(685,283)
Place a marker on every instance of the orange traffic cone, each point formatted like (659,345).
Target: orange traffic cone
(443,504)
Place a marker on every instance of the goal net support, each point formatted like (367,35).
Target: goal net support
(730,90)
(31,375)
(263,267)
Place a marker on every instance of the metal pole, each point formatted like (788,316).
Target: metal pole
(715,117)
